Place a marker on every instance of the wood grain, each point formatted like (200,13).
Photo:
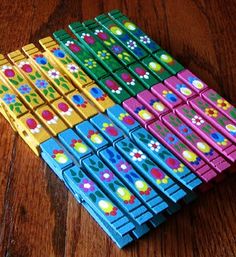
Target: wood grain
(37,215)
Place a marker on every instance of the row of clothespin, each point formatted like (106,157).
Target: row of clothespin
(132,166)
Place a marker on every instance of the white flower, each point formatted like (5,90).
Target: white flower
(154,146)
(118,91)
(131,44)
(54,74)
(5,67)
(98,31)
(137,155)
(84,35)
(145,39)
(72,68)
(132,82)
(67,113)
(68,43)
(197,120)
(21,64)
(53,120)
(36,130)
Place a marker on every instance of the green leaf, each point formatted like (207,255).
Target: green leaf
(93,197)
(19,78)
(92,161)
(72,172)
(28,99)
(1,92)
(99,194)
(14,82)
(11,106)
(52,95)
(4,88)
(80,174)
(112,187)
(65,86)
(45,92)
(37,74)
(18,110)
(35,100)
(145,167)
(57,81)
(233,113)
(50,89)
(32,76)
(100,165)
(149,162)
(76,179)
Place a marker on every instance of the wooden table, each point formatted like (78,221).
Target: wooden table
(38,217)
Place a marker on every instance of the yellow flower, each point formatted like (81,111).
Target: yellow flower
(103,54)
(163,180)
(90,63)
(223,104)
(223,142)
(211,112)
(180,169)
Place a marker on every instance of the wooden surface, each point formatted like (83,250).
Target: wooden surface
(38,217)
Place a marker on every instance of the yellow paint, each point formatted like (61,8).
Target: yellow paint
(51,120)
(50,70)
(103,102)
(84,107)
(70,116)
(34,135)
(66,63)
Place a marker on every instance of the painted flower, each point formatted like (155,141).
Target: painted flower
(171,139)
(107,207)
(129,25)
(113,86)
(196,82)
(60,156)
(185,130)
(157,105)
(65,109)
(88,38)
(137,155)
(73,46)
(95,137)
(79,101)
(205,148)
(167,59)
(175,164)
(106,175)
(9,98)
(170,96)
(131,44)
(154,146)
(103,54)
(25,66)
(8,71)
(128,79)
(155,66)
(87,185)
(143,113)
(123,166)
(90,63)
(41,83)
(231,128)
(142,187)
(126,118)
(49,117)
(197,120)
(24,89)
(143,74)
(211,112)
(101,34)
(58,52)
(72,68)
(125,195)
(40,59)
(223,104)
(117,49)
(191,157)
(110,129)
(54,74)
(183,89)
(33,126)
(219,138)
(79,146)
(161,178)
(98,94)
(116,30)
(145,39)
